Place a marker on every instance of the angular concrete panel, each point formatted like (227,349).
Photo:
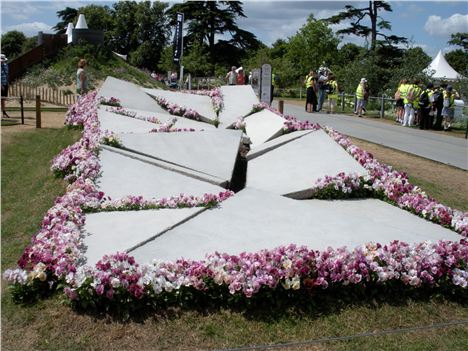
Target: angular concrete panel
(275,143)
(200,103)
(110,232)
(129,94)
(123,175)
(263,126)
(238,102)
(293,168)
(117,123)
(253,220)
(210,152)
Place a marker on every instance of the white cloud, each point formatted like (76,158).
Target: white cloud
(437,26)
(31,28)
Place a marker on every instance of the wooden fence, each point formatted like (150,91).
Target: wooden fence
(53,96)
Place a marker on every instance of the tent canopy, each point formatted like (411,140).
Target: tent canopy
(441,69)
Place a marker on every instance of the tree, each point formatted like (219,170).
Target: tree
(206,19)
(98,17)
(459,39)
(458,59)
(12,43)
(67,15)
(197,61)
(312,45)
(378,24)
(140,30)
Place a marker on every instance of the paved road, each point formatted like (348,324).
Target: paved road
(442,148)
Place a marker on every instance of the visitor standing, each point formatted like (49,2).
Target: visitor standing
(360,92)
(408,99)
(311,97)
(425,107)
(322,86)
(448,110)
(4,84)
(240,80)
(81,78)
(231,76)
(399,105)
(438,105)
(332,93)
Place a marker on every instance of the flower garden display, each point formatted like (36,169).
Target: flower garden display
(55,257)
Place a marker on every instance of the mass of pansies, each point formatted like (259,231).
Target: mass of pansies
(291,123)
(55,258)
(177,110)
(216,96)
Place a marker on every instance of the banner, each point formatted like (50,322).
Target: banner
(178,40)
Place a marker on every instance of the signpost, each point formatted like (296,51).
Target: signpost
(178,46)
(255,80)
(265,91)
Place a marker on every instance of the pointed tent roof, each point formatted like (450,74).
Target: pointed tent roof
(441,69)
(81,24)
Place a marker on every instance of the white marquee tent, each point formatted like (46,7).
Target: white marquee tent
(440,69)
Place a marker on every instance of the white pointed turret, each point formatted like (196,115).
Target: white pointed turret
(69,33)
(81,24)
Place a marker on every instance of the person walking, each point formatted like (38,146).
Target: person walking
(332,93)
(5,76)
(81,79)
(231,76)
(360,98)
(311,97)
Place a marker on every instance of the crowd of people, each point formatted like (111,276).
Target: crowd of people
(320,85)
(430,107)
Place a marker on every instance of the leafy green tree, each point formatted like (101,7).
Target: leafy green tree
(12,43)
(165,62)
(357,17)
(98,17)
(206,19)
(197,62)
(140,30)
(312,45)
(458,59)
(459,39)
(67,15)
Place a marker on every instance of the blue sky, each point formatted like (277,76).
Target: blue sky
(428,24)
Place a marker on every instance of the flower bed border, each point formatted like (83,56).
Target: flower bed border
(54,258)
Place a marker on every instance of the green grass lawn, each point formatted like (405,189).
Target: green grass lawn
(29,190)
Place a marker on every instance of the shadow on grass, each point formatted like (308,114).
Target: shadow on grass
(272,306)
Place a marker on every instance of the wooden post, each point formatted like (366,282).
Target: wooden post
(342,102)
(281,106)
(38,112)
(382,106)
(22,109)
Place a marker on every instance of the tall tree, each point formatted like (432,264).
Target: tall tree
(67,15)
(206,19)
(312,45)
(141,30)
(12,43)
(377,23)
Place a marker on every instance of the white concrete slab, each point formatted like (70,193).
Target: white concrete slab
(122,176)
(253,220)
(121,124)
(293,168)
(190,123)
(275,143)
(129,94)
(263,126)
(238,102)
(210,152)
(110,232)
(143,114)
(200,103)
